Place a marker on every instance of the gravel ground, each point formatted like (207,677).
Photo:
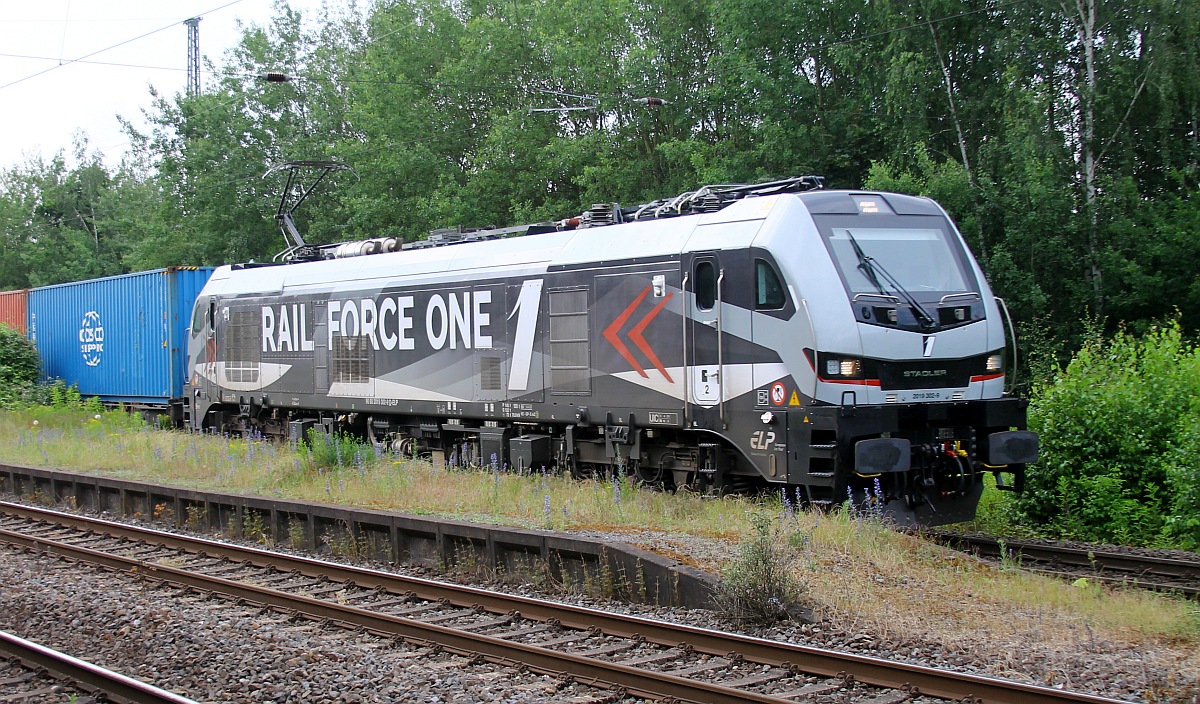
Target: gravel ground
(212,651)
(235,655)
(1146,672)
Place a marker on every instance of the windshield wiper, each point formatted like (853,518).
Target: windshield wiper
(864,264)
(872,269)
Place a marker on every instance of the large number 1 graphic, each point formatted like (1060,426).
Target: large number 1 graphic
(529,302)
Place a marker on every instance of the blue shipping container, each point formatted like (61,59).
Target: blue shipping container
(122,338)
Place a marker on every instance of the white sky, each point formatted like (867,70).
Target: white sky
(41,114)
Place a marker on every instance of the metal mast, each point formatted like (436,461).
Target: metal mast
(193,64)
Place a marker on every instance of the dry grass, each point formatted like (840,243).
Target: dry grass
(893,586)
(906,584)
(902,590)
(115,446)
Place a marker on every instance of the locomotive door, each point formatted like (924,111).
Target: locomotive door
(209,378)
(703,337)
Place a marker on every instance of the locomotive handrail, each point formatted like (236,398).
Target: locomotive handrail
(968,294)
(721,353)
(882,296)
(1008,387)
(687,386)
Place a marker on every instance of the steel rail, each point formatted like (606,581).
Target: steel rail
(599,673)
(1115,580)
(1097,560)
(814,661)
(116,687)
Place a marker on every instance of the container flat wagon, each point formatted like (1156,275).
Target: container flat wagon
(120,338)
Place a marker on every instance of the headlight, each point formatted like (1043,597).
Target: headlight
(836,367)
(844,367)
(995,362)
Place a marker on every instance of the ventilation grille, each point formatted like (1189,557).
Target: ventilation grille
(570,351)
(350,360)
(489,373)
(241,352)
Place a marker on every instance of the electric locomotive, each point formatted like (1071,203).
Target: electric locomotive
(832,344)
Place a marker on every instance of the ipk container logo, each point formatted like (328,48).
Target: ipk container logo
(91,338)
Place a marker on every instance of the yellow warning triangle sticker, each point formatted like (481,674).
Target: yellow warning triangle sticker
(806,420)
(795,400)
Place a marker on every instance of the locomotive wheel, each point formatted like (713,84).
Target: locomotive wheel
(582,470)
(649,476)
(407,447)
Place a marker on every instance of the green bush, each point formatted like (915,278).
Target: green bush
(54,393)
(1182,526)
(1120,452)
(337,450)
(19,366)
(758,586)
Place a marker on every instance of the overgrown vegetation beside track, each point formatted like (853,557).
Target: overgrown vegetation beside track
(844,566)
(1120,442)
(19,366)
(342,470)
(1120,447)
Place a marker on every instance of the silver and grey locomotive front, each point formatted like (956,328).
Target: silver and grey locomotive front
(901,359)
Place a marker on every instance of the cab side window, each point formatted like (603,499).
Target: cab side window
(768,290)
(706,285)
(198,315)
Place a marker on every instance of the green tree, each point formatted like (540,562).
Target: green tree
(1075,192)
(52,233)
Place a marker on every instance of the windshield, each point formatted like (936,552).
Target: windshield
(919,259)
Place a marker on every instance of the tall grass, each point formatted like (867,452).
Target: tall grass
(913,586)
(849,565)
(341,470)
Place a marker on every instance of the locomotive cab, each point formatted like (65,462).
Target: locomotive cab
(903,374)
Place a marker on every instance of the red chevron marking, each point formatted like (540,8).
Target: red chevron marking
(610,332)
(635,334)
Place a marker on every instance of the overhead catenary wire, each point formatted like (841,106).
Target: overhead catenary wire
(110,47)
(118,64)
(593,99)
(62,47)
(462,84)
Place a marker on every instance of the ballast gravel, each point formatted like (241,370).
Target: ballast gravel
(214,651)
(1159,674)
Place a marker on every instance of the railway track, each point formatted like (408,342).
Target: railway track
(1168,574)
(36,673)
(626,654)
